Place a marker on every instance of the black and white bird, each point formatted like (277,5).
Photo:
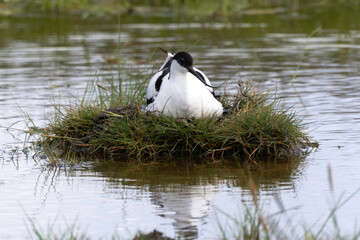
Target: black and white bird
(180,90)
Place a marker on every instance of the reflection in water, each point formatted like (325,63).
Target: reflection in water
(184,194)
(46,182)
(188,206)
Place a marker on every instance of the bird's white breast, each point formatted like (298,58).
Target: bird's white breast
(183,95)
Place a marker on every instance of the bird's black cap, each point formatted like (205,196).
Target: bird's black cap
(184,59)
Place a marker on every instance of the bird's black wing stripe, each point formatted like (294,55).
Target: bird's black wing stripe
(202,78)
(160,78)
(150,100)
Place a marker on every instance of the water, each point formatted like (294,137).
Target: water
(42,59)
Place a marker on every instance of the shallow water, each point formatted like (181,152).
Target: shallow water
(42,59)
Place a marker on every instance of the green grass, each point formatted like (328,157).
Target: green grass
(55,232)
(109,121)
(173,7)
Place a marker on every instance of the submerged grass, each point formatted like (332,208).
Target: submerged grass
(109,120)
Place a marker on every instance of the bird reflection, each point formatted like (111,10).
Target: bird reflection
(187,206)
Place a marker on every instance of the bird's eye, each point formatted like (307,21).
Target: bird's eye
(181,60)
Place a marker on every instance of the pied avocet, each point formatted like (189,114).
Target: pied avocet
(180,90)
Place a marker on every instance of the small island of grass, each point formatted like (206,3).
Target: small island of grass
(113,124)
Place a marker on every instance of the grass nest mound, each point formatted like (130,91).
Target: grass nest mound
(257,126)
